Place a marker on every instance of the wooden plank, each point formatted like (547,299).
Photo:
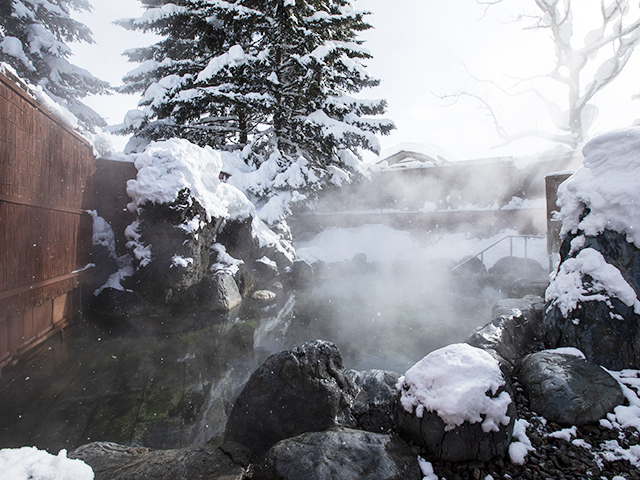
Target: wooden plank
(62,308)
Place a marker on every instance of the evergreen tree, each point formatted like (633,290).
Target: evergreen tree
(33,40)
(273,78)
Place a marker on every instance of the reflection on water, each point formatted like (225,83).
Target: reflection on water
(169,381)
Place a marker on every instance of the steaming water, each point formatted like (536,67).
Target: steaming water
(169,381)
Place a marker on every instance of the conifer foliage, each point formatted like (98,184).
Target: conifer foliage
(273,79)
(33,39)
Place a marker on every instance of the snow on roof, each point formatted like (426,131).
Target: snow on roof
(459,383)
(607,185)
(414,155)
(423,149)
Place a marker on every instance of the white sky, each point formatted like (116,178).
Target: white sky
(420,50)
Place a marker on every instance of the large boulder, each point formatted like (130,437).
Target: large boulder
(457,403)
(219,292)
(373,409)
(592,302)
(568,389)
(593,297)
(340,454)
(171,243)
(111,461)
(515,328)
(304,389)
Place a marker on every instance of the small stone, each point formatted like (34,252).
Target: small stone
(263,295)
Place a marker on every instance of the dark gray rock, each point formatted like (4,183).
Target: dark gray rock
(302,274)
(111,461)
(518,267)
(180,257)
(219,292)
(470,265)
(340,454)
(239,241)
(464,442)
(300,390)
(515,328)
(265,272)
(607,332)
(567,389)
(374,407)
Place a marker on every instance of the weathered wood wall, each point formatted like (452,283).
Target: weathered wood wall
(45,238)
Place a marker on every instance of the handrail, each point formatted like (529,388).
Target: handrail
(510,237)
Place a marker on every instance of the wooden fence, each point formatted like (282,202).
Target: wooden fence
(45,238)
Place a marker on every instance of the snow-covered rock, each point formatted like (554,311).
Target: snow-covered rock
(592,300)
(191,225)
(567,389)
(456,402)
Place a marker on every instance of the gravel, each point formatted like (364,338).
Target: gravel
(585,456)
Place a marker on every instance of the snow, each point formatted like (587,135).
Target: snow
(166,168)
(381,243)
(433,151)
(459,383)
(568,285)
(29,463)
(427,469)
(103,236)
(225,262)
(567,351)
(235,56)
(180,261)
(517,203)
(519,448)
(377,242)
(607,185)
(565,434)
(13,46)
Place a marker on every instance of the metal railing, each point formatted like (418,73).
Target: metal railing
(508,237)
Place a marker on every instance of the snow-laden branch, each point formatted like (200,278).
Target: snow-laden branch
(606,50)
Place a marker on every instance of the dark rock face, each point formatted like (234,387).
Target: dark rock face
(466,442)
(237,237)
(515,328)
(111,461)
(179,254)
(302,274)
(518,267)
(340,454)
(607,332)
(304,389)
(374,407)
(112,304)
(219,292)
(568,390)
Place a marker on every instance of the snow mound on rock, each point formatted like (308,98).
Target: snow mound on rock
(168,167)
(458,382)
(607,186)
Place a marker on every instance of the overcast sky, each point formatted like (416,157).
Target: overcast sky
(422,50)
